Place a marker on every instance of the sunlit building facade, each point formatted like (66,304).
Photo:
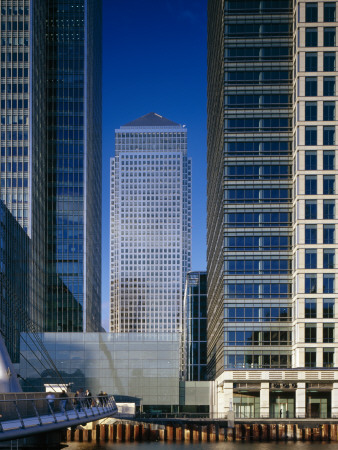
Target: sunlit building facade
(150,225)
(271,207)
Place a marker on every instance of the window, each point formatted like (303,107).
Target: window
(310,308)
(328,258)
(329,11)
(311,37)
(329,61)
(328,356)
(310,185)
(329,184)
(310,209)
(328,333)
(311,333)
(311,111)
(311,87)
(310,135)
(328,308)
(310,283)
(328,209)
(329,86)
(310,357)
(328,135)
(329,110)
(329,37)
(329,160)
(310,160)
(310,259)
(311,62)
(311,12)
(328,283)
(329,234)
(310,234)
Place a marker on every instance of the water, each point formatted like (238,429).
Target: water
(200,446)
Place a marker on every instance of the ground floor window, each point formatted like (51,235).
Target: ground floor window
(282,405)
(318,404)
(246,406)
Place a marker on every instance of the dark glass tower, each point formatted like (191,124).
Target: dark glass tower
(50,173)
(249,184)
(74,165)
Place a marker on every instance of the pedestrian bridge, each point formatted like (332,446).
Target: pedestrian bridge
(26,414)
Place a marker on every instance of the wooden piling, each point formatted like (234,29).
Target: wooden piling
(170,433)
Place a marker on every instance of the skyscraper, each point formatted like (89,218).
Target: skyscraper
(271,205)
(150,225)
(74,165)
(51,152)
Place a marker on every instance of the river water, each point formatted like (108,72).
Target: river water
(202,446)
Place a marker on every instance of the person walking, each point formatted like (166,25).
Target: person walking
(88,396)
(51,400)
(63,401)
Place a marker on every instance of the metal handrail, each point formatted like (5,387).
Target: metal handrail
(37,410)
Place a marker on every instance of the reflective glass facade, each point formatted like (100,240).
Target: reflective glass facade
(14,281)
(195,327)
(23,131)
(150,225)
(271,237)
(50,169)
(74,165)
(143,365)
(249,185)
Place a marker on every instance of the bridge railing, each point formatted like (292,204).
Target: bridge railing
(22,406)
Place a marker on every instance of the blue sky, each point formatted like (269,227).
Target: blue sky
(154,60)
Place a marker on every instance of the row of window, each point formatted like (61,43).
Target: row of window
(329,111)
(328,286)
(14,88)
(257,290)
(329,136)
(14,10)
(329,210)
(311,62)
(329,37)
(311,357)
(254,337)
(269,266)
(258,29)
(14,57)
(311,333)
(266,148)
(329,160)
(14,41)
(275,219)
(328,259)
(259,243)
(311,11)
(258,360)
(257,77)
(258,314)
(258,172)
(14,151)
(329,185)
(252,124)
(14,135)
(311,234)
(256,53)
(256,101)
(311,86)
(258,195)
(310,308)
(253,6)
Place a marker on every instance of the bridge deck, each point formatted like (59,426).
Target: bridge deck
(20,427)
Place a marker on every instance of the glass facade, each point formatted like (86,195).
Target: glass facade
(143,365)
(250,227)
(23,131)
(14,281)
(272,210)
(50,169)
(195,327)
(74,165)
(150,223)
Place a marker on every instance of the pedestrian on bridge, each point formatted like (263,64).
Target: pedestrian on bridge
(51,400)
(63,401)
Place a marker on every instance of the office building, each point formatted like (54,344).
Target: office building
(150,225)
(272,207)
(74,165)
(51,152)
(194,336)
